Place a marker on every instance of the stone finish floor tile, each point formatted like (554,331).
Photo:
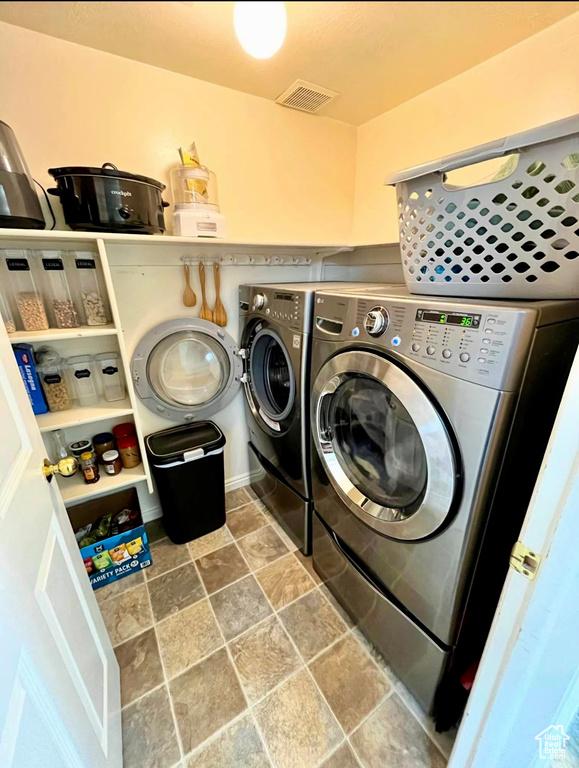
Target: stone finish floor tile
(210,542)
(149,738)
(166,556)
(240,606)
(351,682)
(312,623)
(284,581)
(188,636)
(206,697)
(239,746)
(393,736)
(118,587)
(262,547)
(245,520)
(264,657)
(222,567)
(175,590)
(155,530)
(343,757)
(308,564)
(297,724)
(127,614)
(140,666)
(236,498)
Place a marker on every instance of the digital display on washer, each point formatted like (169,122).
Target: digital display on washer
(448,318)
(278,296)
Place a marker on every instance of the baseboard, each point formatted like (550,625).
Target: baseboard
(153,513)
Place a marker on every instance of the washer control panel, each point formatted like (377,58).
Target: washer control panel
(480,343)
(286,307)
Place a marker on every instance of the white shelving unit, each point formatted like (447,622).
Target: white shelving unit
(79,415)
(74,489)
(63,334)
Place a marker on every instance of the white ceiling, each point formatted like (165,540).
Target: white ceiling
(377,55)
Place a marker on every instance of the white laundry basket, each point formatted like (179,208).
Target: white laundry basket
(513,235)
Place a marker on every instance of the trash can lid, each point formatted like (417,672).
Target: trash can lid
(171,444)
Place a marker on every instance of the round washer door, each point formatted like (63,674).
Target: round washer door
(186,369)
(383,445)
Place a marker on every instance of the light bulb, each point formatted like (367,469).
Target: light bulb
(260,27)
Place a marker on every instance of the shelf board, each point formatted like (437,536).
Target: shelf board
(57,334)
(74,489)
(78,415)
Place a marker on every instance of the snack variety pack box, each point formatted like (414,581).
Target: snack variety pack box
(108,558)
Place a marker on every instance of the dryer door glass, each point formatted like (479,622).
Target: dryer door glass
(272,381)
(188,369)
(378,444)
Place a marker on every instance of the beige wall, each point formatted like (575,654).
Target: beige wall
(282,175)
(535,82)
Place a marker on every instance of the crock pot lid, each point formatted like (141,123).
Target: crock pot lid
(86,170)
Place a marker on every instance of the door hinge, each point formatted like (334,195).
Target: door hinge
(243,353)
(524,560)
(244,378)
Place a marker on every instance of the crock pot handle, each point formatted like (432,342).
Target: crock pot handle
(165,204)
(110,165)
(53,191)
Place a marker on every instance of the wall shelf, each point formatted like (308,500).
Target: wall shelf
(78,415)
(60,334)
(74,489)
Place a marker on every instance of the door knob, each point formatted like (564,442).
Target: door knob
(65,467)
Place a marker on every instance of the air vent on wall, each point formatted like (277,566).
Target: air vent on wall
(306,97)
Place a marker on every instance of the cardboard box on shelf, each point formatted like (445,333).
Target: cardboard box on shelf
(118,555)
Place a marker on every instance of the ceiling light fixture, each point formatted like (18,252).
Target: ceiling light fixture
(260,27)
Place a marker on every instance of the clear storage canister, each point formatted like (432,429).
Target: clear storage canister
(91,293)
(6,313)
(111,377)
(25,286)
(83,375)
(50,367)
(57,290)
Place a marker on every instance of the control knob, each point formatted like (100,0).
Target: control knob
(376,321)
(259,301)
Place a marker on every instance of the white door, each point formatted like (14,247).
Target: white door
(59,679)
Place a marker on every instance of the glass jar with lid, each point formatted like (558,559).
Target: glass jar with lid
(84,381)
(24,282)
(129,450)
(50,367)
(57,291)
(102,443)
(111,462)
(90,468)
(92,293)
(110,374)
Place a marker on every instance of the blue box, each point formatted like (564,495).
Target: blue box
(24,354)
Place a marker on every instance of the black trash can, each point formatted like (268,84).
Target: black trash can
(187,464)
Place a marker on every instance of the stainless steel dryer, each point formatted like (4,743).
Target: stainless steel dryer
(429,417)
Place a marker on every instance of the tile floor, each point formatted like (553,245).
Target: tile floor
(233,655)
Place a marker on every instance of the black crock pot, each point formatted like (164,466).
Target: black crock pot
(108,200)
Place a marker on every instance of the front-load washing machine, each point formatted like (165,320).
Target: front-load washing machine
(275,330)
(430,417)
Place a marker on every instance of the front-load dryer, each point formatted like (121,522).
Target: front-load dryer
(429,420)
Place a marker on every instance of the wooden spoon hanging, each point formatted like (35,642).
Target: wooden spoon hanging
(219,313)
(205,313)
(189,298)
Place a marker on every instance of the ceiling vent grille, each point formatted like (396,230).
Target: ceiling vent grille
(307,97)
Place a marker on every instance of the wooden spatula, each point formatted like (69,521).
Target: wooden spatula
(219,313)
(189,298)
(205,313)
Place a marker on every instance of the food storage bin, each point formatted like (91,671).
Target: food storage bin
(25,287)
(84,381)
(91,292)
(50,367)
(110,374)
(59,300)
(187,465)
(6,312)
(508,232)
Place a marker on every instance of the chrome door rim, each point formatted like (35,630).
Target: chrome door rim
(440,459)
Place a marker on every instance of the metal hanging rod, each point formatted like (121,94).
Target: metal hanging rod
(243,260)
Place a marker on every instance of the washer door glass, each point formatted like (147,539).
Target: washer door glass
(188,368)
(378,445)
(271,375)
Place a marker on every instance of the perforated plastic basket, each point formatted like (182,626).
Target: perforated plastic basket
(513,235)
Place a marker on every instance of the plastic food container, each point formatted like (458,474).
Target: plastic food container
(111,462)
(129,450)
(52,378)
(79,447)
(111,377)
(103,442)
(126,429)
(83,376)
(92,296)
(6,313)
(24,284)
(57,290)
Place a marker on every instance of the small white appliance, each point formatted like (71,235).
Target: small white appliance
(196,211)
